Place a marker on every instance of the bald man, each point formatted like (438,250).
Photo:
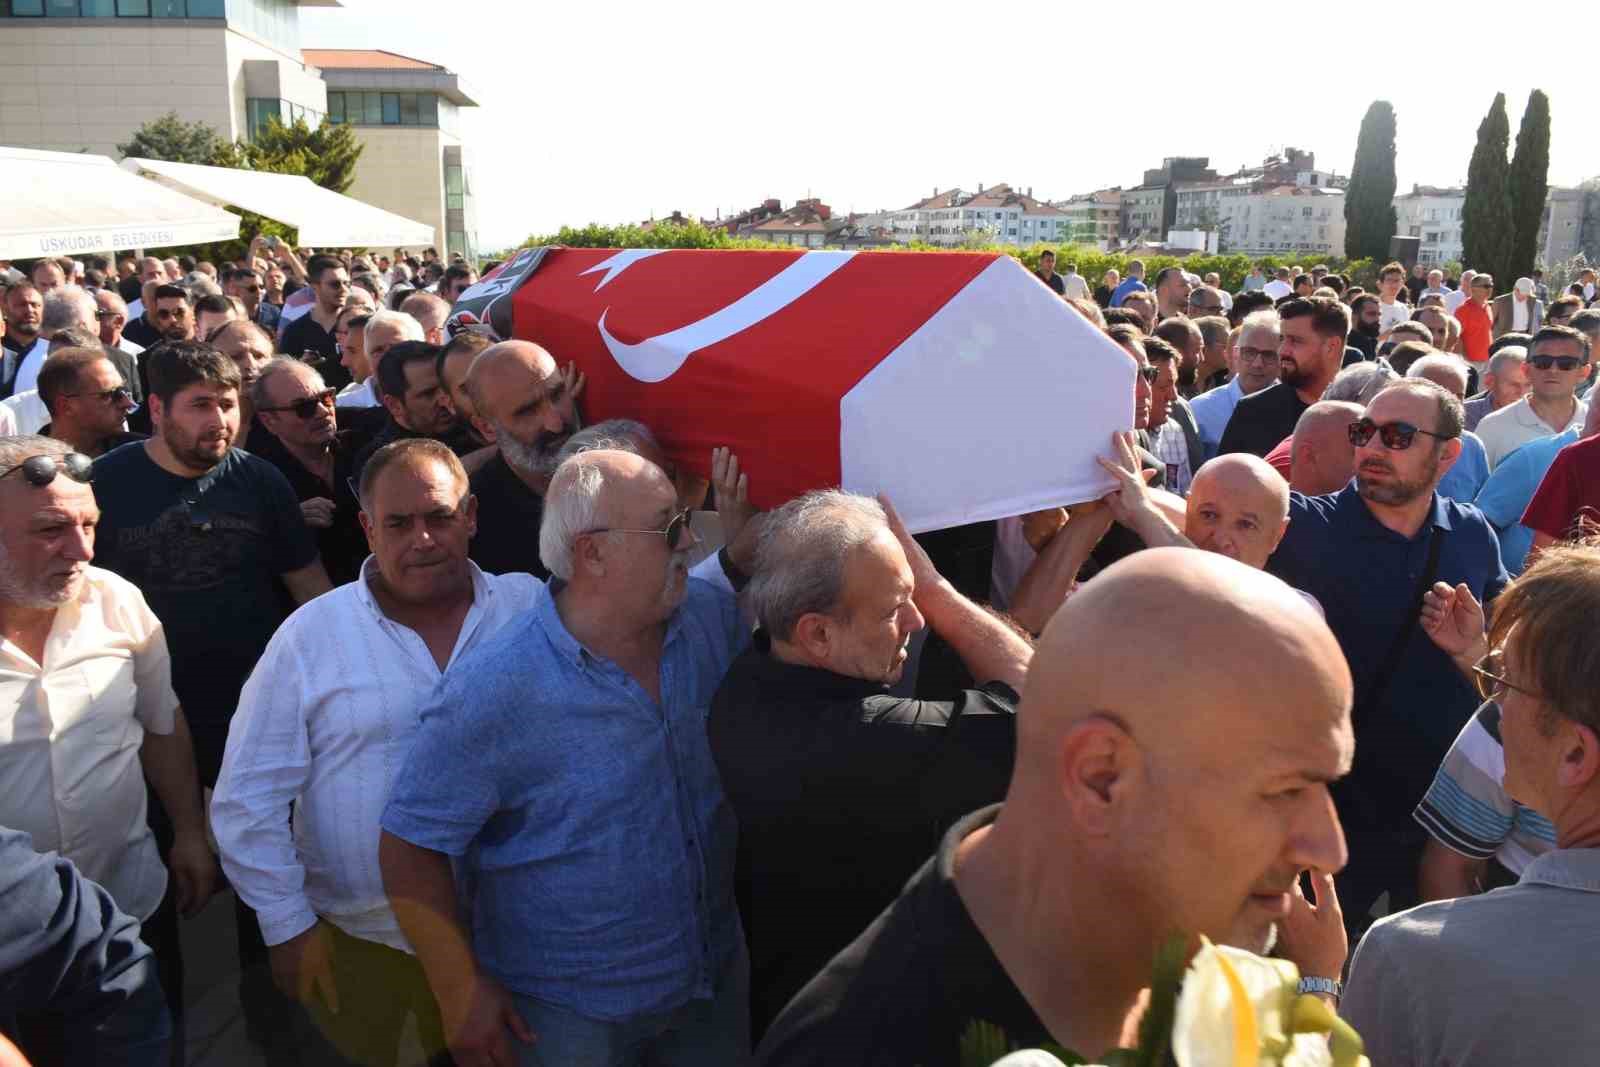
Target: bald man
(1123,823)
(1322,457)
(519,393)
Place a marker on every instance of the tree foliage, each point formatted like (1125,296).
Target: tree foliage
(327,154)
(171,139)
(1487,227)
(1369,201)
(1529,185)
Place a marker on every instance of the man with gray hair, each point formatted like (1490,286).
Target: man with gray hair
(1255,366)
(1504,383)
(841,788)
(614,667)
(66,307)
(384,330)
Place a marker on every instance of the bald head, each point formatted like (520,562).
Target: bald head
(502,364)
(1238,507)
(1323,458)
(1195,795)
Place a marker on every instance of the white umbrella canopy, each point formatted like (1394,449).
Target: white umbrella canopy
(68,203)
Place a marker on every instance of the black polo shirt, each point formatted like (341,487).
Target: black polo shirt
(509,514)
(905,991)
(841,791)
(1262,420)
(306,334)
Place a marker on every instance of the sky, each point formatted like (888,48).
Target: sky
(618,112)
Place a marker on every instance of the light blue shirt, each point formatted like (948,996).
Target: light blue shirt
(1462,481)
(1212,410)
(1129,285)
(1505,496)
(590,818)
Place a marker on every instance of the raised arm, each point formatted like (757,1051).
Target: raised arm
(990,649)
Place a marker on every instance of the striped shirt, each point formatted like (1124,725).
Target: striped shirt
(1467,810)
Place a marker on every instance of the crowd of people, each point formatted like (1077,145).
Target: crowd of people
(515,742)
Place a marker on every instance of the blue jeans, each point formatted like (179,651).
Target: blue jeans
(701,1033)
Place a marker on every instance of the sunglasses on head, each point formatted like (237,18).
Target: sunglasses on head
(674,531)
(1559,362)
(307,406)
(42,470)
(1396,436)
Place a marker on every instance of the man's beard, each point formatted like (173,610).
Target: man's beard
(1295,378)
(537,460)
(1398,492)
(1369,329)
(26,332)
(39,594)
(188,450)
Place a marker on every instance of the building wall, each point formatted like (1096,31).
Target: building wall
(1561,229)
(1255,222)
(401,170)
(71,85)
(1436,220)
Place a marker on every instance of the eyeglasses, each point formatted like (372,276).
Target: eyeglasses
(115,395)
(1150,374)
(1258,355)
(42,470)
(674,531)
(1396,436)
(1559,362)
(1209,309)
(1491,677)
(307,406)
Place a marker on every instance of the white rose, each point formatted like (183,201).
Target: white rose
(1029,1057)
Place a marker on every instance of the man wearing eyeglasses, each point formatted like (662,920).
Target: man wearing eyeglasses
(330,742)
(87,708)
(315,451)
(1254,365)
(88,401)
(1470,980)
(1369,553)
(1557,363)
(569,753)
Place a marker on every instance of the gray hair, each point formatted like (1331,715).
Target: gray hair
(1502,360)
(113,301)
(274,367)
(408,328)
(802,553)
(14,450)
(571,508)
(1359,383)
(67,306)
(621,435)
(74,337)
(1264,318)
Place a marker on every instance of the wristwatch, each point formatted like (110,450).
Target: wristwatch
(1329,987)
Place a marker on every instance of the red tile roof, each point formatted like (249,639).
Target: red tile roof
(362,59)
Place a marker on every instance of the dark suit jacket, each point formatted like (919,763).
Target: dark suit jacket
(1503,313)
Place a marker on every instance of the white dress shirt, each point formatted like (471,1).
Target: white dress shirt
(8,421)
(70,733)
(1519,314)
(325,722)
(26,411)
(1277,289)
(1392,315)
(132,348)
(1506,430)
(1455,298)
(357,395)
(28,366)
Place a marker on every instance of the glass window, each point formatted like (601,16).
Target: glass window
(408,109)
(27,7)
(61,8)
(99,8)
(133,7)
(335,107)
(206,9)
(428,109)
(373,108)
(391,109)
(167,9)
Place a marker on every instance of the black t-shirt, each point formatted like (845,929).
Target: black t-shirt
(1103,294)
(841,791)
(509,514)
(304,334)
(906,990)
(1262,420)
(206,552)
(343,546)
(1054,282)
(141,332)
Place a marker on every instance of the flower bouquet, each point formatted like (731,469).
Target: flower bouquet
(1228,1008)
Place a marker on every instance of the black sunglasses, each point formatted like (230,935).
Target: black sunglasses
(1396,436)
(1150,374)
(42,470)
(116,394)
(673,533)
(1559,362)
(307,406)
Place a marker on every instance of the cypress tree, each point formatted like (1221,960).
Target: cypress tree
(1369,201)
(1486,223)
(1529,185)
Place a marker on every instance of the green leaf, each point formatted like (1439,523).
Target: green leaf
(1155,1029)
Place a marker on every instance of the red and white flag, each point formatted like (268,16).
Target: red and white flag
(956,383)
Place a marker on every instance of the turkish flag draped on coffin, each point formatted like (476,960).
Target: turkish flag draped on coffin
(956,383)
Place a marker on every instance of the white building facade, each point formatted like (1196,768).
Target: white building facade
(998,214)
(1251,218)
(1433,215)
